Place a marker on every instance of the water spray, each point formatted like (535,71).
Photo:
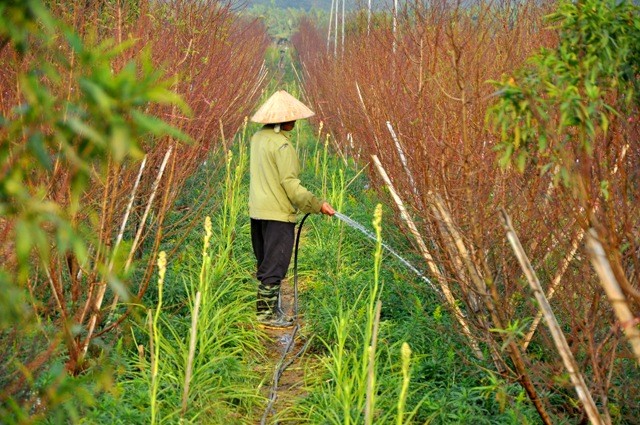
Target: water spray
(355,225)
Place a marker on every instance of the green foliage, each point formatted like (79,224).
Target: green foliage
(106,122)
(553,111)
(225,382)
(77,115)
(283,21)
(20,19)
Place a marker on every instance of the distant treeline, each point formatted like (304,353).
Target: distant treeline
(314,4)
(286,4)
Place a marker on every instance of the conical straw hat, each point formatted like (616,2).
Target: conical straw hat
(281,107)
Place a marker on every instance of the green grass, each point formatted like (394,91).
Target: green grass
(342,275)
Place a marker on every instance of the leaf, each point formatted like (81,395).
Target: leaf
(24,240)
(604,189)
(84,130)
(516,136)
(120,141)
(96,94)
(158,127)
(162,95)
(521,161)
(74,41)
(542,143)
(545,168)
(118,287)
(79,248)
(36,144)
(604,122)
(64,235)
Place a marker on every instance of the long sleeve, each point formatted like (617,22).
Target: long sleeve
(288,169)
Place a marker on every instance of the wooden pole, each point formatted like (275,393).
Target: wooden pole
(330,25)
(628,322)
(554,283)
(368,17)
(335,36)
(343,27)
(395,23)
(444,285)
(403,159)
(558,337)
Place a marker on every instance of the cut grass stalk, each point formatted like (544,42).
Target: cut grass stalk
(156,337)
(402,400)
(192,352)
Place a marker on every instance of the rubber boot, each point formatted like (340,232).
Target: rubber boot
(269,313)
(263,311)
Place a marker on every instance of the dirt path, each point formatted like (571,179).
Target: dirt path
(291,382)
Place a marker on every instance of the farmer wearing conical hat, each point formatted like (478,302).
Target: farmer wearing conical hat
(275,195)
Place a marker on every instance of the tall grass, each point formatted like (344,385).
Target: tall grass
(421,109)
(351,390)
(204,354)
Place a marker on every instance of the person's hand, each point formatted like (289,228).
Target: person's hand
(327,209)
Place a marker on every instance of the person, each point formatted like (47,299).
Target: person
(275,196)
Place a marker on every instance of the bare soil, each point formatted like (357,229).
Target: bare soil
(291,383)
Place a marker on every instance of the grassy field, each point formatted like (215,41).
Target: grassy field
(342,275)
(128,293)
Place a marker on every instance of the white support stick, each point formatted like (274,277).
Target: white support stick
(103,285)
(628,322)
(444,285)
(552,323)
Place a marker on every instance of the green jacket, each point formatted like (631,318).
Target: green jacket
(275,192)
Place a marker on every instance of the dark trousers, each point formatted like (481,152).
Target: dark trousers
(272,245)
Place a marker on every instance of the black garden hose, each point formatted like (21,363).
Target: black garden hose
(295,269)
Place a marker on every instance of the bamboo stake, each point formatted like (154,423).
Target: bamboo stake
(368,17)
(330,25)
(343,1)
(125,219)
(481,287)
(395,23)
(192,352)
(449,245)
(558,337)
(554,283)
(403,159)
(628,322)
(444,286)
(103,285)
(335,35)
